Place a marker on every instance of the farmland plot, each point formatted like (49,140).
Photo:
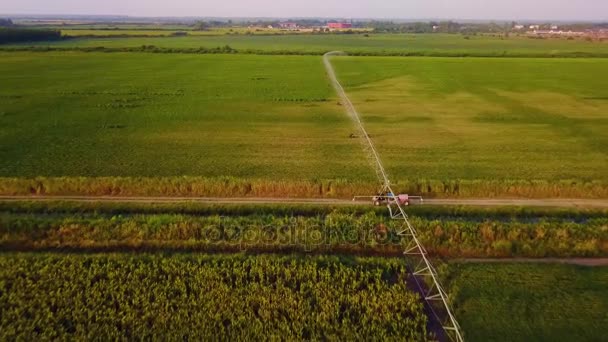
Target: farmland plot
(484,119)
(201,297)
(515,302)
(137,115)
(421,44)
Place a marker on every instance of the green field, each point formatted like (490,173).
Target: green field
(444,126)
(476,118)
(201,297)
(514,302)
(158,116)
(356,43)
(91,115)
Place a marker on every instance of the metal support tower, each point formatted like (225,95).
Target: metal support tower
(423,273)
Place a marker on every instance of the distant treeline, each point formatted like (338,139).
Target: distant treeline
(6,23)
(16,35)
(229,50)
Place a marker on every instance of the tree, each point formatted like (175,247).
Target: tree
(6,23)
(201,26)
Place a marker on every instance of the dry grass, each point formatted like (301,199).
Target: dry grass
(346,189)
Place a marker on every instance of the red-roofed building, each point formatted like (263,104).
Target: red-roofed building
(339,25)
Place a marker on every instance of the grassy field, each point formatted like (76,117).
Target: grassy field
(238,125)
(515,302)
(355,43)
(91,115)
(201,297)
(486,119)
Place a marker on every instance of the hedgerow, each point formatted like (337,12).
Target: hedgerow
(229,50)
(236,187)
(338,232)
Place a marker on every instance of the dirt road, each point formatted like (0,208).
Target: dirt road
(479,202)
(590,262)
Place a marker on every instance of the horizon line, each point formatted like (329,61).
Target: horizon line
(61,16)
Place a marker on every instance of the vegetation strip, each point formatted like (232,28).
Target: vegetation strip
(230,50)
(339,188)
(287,230)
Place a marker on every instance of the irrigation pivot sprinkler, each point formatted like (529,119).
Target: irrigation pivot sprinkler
(422,271)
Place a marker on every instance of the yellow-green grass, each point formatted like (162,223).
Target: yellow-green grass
(145,115)
(486,119)
(449,44)
(515,302)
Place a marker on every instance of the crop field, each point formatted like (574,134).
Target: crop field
(484,118)
(141,115)
(424,44)
(200,297)
(235,125)
(226,113)
(515,302)
(155,278)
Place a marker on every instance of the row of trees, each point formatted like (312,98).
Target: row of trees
(16,35)
(6,22)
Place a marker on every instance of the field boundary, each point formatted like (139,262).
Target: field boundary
(229,50)
(478,202)
(200,186)
(589,262)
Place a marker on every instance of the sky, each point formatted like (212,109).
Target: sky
(402,9)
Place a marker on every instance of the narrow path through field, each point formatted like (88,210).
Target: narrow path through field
(479,202)
(591,262)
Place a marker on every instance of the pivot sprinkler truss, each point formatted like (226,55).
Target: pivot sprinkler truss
(422,272)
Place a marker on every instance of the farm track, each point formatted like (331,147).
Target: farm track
(590,262)
(475,202)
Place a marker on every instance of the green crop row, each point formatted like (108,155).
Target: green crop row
(338,232)
(185,297)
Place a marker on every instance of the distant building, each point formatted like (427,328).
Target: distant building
(534,27)
(554,27)
(552,33)
(518,27)
(339,25)
(288,25)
